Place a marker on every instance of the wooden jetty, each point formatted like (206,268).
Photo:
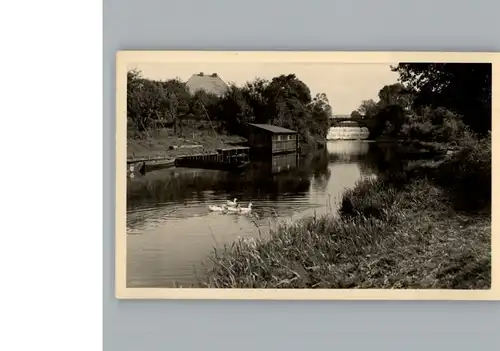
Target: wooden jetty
(232,159)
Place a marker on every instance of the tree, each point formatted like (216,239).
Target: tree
(290,87)
(150,101)
(145,101)
(388,121)
(203,103)
(356,115)
(288,101)
(233,111)
(177,100)
(284,101)
(257,96)
(395,94)
(387,115)
(321,112)
(368,108)
(464,88)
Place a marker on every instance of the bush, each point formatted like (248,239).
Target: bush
(452,129)
(467,174)
(438,125)
(369,198)
(464,176)
(385,197)
(418,131)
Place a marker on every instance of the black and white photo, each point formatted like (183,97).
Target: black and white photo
(320,175)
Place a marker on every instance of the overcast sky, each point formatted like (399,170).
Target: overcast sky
(345,85)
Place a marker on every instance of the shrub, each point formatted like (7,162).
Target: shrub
(438,124)
(418,131)
(452,129)
(368,198)
(467,174)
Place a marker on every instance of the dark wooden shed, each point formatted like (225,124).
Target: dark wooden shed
(272,139)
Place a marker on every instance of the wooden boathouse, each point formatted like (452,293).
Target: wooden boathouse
(270,139)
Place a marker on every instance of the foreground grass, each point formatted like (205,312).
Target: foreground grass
(386,236)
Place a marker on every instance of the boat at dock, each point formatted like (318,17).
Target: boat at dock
(136,167)
(162,164)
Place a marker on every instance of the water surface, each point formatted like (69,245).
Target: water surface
(170,232)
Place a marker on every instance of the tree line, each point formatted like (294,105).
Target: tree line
(432,101)
(284,101)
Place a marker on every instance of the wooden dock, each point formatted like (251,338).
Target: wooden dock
(232,159)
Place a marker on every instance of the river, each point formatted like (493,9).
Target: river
(171,233)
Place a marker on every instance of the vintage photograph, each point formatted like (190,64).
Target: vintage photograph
(308,175)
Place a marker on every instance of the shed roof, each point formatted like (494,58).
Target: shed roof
(273,129)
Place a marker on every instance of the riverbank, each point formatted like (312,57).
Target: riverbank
(418,147)
(420,228)
(166,144)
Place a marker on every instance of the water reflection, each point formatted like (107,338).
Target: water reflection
(347,151)
(265,179)
(171,230)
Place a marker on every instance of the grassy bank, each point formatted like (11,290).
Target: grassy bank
(165,143)
(420,228)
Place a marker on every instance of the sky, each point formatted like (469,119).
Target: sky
(345,85)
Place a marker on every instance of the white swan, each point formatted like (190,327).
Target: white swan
(231,203)
(246,209)
(216,208)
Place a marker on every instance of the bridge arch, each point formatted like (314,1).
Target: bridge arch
(354,122)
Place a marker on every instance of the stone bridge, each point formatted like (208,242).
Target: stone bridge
(394,114)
